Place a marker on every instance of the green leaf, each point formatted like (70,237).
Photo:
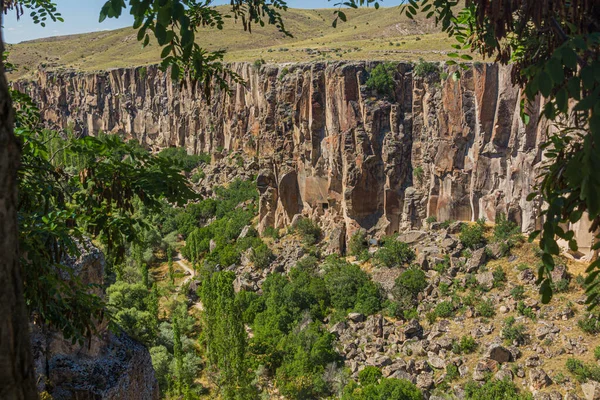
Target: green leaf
(569,57)
(555,70)
(545,83)
(546,291)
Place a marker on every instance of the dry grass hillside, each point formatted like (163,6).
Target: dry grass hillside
(382,34)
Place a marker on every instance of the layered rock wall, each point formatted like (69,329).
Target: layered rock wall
(326,144)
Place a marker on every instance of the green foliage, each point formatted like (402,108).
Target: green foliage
(283,73)
(452,372)
(350,288)
(185,161)
(261,256)
(513,332)
(135,309)
(499,277)
(309,230)
(424,68)
(528,312)
(518,292)
(408,286)
(582,371)
(258,63)
(394,253)
(471,236)
(271,232)
(431,219)
(589,323)
(506,232)
(494,390)
(561,286)
(386,389)
(466,345)
(444,309)
(485,308)
(358,244)
(382,79)
(369,376)
(225,336)
(71,188)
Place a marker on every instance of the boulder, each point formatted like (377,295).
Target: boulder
(591,390)
(485,279)
(477,259)
(538,379)
(499,353)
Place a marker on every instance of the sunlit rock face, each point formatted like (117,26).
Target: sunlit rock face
(328,146)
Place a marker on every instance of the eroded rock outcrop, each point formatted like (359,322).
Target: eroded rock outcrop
(109,366)
(328,146)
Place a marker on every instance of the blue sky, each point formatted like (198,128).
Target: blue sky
(82,16)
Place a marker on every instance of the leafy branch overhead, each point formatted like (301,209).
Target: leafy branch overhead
(554,49)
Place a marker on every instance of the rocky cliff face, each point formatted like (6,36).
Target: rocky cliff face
(327,145)
(107,367)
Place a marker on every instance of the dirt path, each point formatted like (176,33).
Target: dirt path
(192,274)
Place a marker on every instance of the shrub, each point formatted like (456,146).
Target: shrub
(350,287)
(518,292)
(582,371)
(560,286)
(382,80)
(394,253)
(358,243)
(187,161)
(525,311)
(258,63)
(467,345)
(494,390)
(369,376)
(309,230)
(413,280)
(261,256)
(424,68)
(283,73)
(590,323)
(431,219)
(271,232)
(506,231)
(597,353)
(485,308)
(452,372)
(513,332)
(499,277)
(471,236)
(386,389)
(419,173)
(445,309)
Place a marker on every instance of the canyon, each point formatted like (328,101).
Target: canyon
(326,145)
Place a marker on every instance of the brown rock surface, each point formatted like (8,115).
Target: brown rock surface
(454,151)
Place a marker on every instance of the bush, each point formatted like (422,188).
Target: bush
(424,68)
(506,231)
(560,286)
(369,376)
(471,236)
(394,253)
(513,332)
(431,219)
(350,287)
(499,277)
(386,389)
(187,161)
(358,243)
(590,323)
(518,292)
(413,280)
(382,80)
(467,345)
(309,230)
(271,232)
(445,309)
(583,372)
(485,308)
(261,256)
(494,390)
(258,63)
(452,372)
(528,312)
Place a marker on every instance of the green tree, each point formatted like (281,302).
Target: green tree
(225,336)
